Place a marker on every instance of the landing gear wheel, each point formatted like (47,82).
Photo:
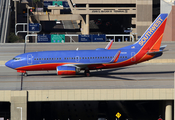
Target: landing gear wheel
(25,74)
(87,72)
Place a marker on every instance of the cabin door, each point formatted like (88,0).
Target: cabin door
(29,59)
(133,57)
(77,59)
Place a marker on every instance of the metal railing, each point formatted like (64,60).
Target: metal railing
(31,35)
(121,35)
(107,35)
(25,28)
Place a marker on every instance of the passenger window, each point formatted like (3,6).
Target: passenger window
(120,56)
(49,58)
(60,58)
(125,56)
(44,58)
(90,57)
(83,57)
(39,58)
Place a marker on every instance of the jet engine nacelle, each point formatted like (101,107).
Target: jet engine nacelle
(67,70)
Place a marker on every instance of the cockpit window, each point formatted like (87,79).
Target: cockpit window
(16,58)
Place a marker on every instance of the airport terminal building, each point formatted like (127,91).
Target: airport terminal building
(84,17)
(102,16)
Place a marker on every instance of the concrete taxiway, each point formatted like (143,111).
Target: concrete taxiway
(156,74)
(136,76)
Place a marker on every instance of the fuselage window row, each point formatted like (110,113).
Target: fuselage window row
(78,58)
(47,58)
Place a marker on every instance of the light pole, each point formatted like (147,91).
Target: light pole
(21,111)
(28,19)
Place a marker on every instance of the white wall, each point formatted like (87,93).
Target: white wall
(165,7)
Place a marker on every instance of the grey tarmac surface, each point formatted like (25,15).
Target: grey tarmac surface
(143,75)
(136,76)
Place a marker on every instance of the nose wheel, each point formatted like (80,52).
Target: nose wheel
(87,72)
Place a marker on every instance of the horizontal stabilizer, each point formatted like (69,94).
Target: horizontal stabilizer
(160,51)
(155,52)
(162,47)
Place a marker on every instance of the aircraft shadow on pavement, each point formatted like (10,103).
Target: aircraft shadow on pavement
(112,74)
(107,73)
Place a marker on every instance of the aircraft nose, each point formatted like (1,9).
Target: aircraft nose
(8,64)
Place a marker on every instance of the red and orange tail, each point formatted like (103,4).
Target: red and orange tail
(151,39)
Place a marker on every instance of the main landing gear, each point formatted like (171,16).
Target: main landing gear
(25,74)
(87,72)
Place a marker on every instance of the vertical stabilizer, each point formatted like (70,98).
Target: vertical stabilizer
(151,39)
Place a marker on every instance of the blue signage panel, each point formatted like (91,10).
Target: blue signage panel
(34,27)
(44,38)
(85,38)
(65,4)
(99,38)
(127,31)
(47,3)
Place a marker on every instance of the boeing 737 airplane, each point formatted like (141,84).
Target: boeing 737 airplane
(70,62)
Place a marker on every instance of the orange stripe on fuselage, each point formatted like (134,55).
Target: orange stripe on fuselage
(47,66)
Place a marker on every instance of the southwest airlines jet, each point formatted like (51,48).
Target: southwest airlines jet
(70,62)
